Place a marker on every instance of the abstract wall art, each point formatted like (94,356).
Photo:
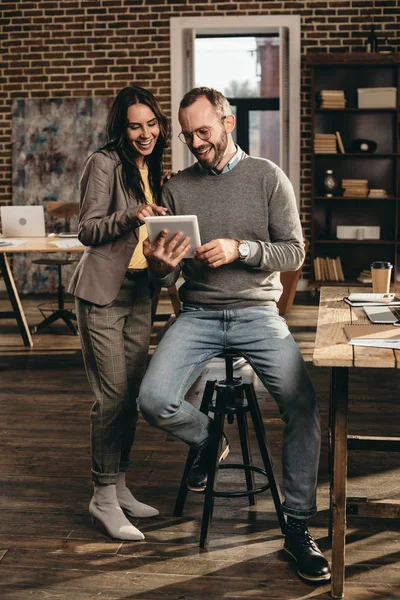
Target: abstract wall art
(51,139)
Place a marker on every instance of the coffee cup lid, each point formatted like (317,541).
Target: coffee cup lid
(381,264)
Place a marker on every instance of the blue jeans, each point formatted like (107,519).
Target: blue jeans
(263,338)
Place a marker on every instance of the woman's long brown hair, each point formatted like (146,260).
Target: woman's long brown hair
(117,140)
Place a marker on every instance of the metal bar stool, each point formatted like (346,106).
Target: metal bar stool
(61,312)
(232,398)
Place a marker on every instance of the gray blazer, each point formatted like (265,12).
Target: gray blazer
(108,226)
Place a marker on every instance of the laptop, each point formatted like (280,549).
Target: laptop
(383,314)
(22,221)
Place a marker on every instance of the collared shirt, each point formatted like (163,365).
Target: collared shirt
(236,158)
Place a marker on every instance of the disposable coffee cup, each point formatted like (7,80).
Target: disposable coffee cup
(381,272)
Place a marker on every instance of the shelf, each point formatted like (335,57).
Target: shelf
(357,155)
(353,198)
(317,284)
(349,72)
(359,242)
(353,59)
(356,110)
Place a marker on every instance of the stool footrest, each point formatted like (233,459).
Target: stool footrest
(242,494)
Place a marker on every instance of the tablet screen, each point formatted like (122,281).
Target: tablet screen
(187,224)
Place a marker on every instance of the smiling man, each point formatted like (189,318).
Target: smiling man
(250,229)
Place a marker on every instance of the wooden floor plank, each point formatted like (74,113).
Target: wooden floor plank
(50,551)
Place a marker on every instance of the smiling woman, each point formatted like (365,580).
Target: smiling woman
(143,131)
(120,186)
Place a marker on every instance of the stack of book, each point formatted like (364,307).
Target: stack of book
(365,276)
(325,143)
(355,188)
(331,99)
(328,269)
(377,193)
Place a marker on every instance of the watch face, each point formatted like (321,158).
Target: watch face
(243,250)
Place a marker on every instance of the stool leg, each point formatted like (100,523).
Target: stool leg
(208,507)
(67,320)
(241,418)
(183,489)
(265,454)
(60,290)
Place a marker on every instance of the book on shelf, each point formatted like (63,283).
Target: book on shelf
(325,143)
(379,336)
(377,193)
(356,188)
(365,276)
(331,94)
(328,269)
(331,99)
(340,142)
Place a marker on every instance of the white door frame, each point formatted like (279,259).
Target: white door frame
(236,25)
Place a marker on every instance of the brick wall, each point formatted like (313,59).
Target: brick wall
(96,47)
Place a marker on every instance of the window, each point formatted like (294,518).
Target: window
(250,80)
(248,62)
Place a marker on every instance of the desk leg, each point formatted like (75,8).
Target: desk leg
(15,301)
(338,438)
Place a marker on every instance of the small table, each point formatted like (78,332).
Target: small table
(333,350)
(36,245)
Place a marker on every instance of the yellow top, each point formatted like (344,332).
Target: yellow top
(138,260)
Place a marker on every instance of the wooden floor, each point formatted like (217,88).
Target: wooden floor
(49,550)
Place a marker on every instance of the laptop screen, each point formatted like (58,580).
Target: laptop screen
(22,221)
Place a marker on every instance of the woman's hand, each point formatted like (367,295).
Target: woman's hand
(166,176)
(150,210)
(164,256)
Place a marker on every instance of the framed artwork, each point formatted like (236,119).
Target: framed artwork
(51,139)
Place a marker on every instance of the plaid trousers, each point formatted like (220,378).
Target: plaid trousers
(115,341)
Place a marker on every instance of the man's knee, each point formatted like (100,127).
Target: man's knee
(152,403)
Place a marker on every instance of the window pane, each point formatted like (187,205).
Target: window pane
(239,67)
(264,134)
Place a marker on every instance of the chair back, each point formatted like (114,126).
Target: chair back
(289,280)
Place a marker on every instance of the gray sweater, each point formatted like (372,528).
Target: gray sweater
(253,202)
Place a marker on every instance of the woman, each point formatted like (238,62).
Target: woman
(119,187)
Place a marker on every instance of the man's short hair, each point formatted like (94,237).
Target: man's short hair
(216,99)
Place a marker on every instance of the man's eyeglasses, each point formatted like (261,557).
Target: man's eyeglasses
(204,133)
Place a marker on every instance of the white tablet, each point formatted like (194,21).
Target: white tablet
(187,224)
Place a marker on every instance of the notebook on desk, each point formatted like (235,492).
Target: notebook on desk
(22,221)
(384,336)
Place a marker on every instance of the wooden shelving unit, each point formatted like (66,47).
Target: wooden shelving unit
(348,72)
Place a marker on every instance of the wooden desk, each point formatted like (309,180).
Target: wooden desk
(332,350)
(31,245)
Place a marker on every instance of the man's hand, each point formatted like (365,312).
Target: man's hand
(164,257)
(150,210)
(217,252)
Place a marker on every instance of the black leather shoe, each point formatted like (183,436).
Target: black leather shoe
(311,563)
(197,477)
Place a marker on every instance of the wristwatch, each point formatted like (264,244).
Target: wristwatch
(243,249)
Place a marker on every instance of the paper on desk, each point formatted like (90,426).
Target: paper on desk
(11,242)
(377,336)
(67,243)
(377,343)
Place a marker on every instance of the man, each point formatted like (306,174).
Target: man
(250,231)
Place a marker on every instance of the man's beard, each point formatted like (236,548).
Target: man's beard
(219,151)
